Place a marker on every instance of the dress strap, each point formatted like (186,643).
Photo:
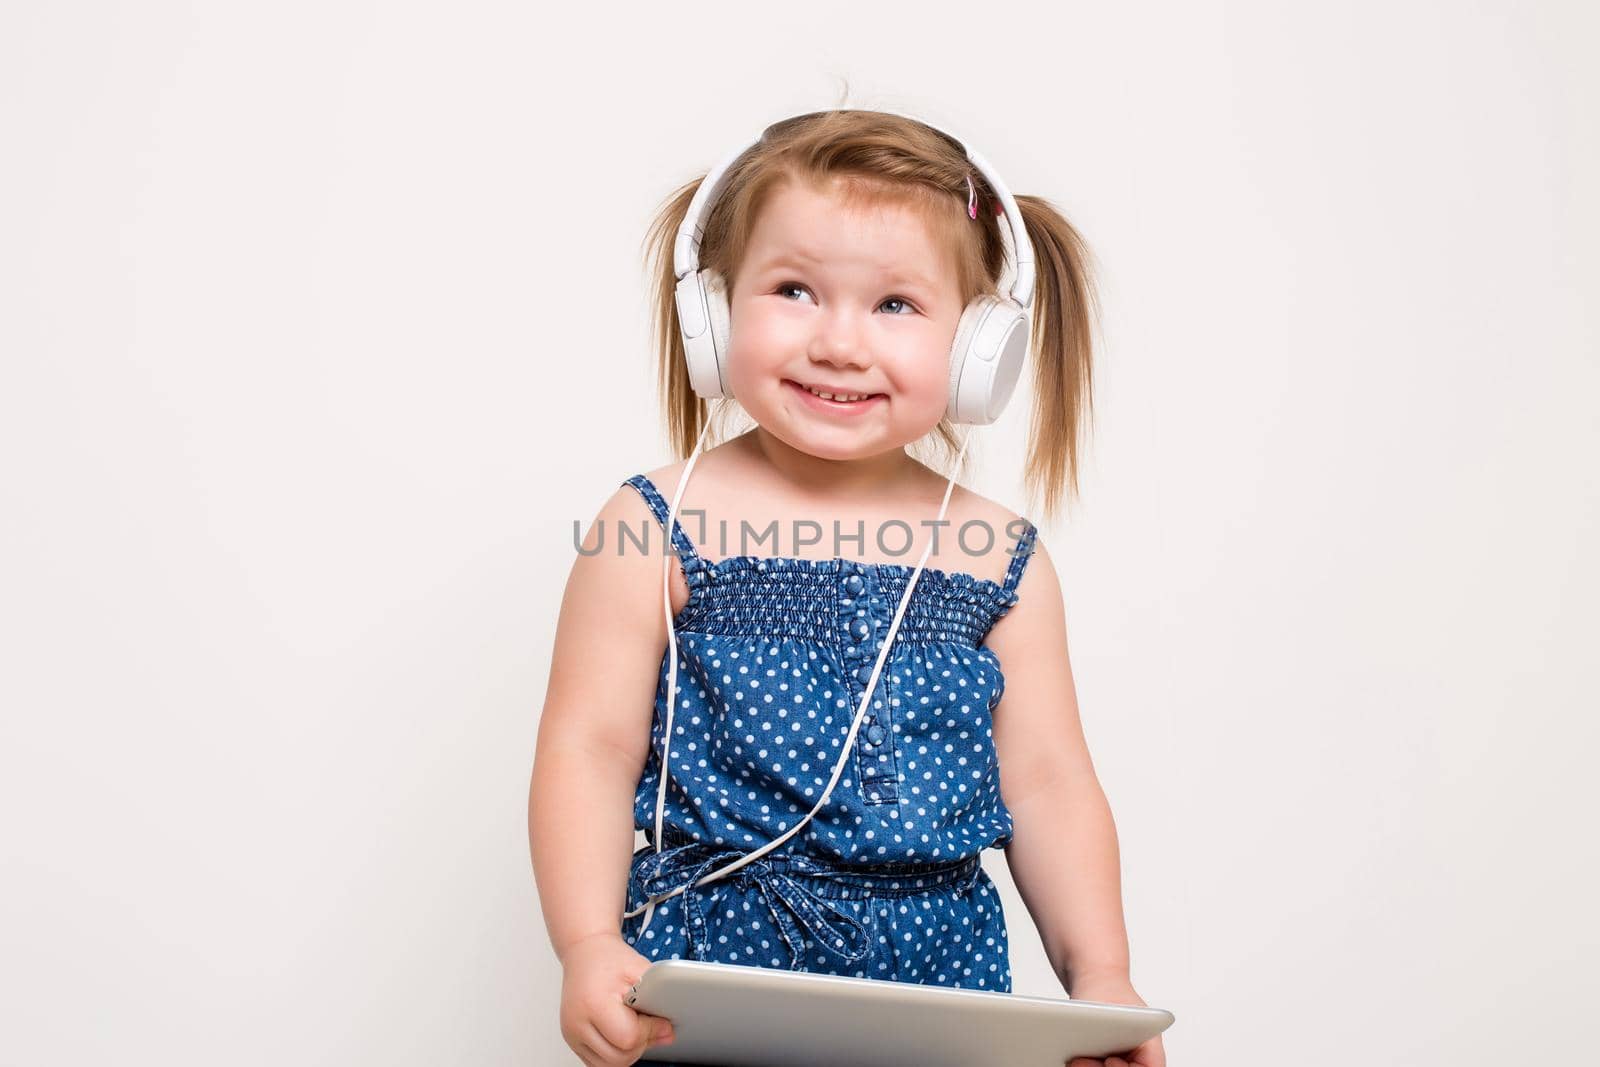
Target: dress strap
(659,507)
(1023,553)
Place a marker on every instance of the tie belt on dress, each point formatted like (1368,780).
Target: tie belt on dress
(793,906)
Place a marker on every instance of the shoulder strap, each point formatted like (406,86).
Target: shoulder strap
(659,508)
(1023,553)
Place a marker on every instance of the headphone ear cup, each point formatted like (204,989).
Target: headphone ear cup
(961,353)
(721,322)
(986,358)
(698,297)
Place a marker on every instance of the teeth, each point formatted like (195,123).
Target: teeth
(837,396)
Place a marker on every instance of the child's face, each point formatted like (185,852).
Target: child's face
(846,299)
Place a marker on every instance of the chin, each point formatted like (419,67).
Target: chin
(823,451)
(821,443)
(843,448)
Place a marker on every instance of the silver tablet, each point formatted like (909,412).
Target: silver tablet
(728,1015)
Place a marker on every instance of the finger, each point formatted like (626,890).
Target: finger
(653,1032)
(1150,1054)
(645,1030)
(622,1027)
(605,1052)
(1085,1061)
(655,1025)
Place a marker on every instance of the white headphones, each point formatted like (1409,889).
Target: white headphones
(991,341)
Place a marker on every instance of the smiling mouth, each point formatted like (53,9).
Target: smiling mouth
(843,397)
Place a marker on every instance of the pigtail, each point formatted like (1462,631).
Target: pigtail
(1066,312)
(686,411)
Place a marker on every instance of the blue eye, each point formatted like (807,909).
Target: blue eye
(910,307)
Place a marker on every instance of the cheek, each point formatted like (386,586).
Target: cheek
(762,340)
(754,342)
(921,374)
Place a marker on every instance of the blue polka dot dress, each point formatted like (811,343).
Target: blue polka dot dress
(885,881)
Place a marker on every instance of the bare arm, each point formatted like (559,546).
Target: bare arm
(594,733)
(1063,856)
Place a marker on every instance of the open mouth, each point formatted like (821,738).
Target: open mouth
(840,399)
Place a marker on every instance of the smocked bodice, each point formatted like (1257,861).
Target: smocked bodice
(774,654)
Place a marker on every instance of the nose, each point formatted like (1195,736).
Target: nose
(837,342)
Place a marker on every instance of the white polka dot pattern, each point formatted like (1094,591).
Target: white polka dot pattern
(885,881)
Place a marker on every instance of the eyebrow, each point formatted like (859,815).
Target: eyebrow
(799,257)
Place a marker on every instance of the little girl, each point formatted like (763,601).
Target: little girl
(843,734)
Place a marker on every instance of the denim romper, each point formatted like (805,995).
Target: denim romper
(885,881)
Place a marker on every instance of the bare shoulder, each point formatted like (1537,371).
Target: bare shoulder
(970,504)
(598,552)
(620,559)
(984,534)
(1036,623)
(666,478)
(714,489)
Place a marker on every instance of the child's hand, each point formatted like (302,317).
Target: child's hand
(595,1017)
(1118,991)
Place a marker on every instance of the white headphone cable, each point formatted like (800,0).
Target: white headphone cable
(672,647)
(672,681)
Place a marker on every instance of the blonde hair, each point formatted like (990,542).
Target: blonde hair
(873,157)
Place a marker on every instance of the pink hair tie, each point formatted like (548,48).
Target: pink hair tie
(972,198)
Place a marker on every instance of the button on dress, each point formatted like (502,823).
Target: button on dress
(885,881)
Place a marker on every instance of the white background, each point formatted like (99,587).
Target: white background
(321,323)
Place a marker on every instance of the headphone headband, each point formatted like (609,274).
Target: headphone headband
(1017,273)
